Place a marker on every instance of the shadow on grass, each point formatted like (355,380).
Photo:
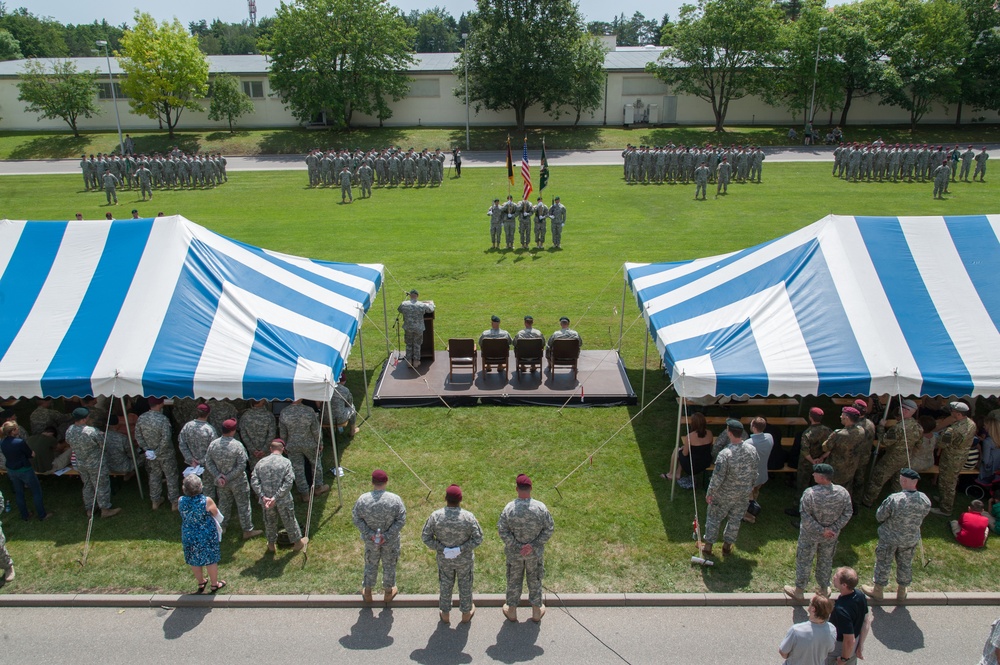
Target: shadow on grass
(162,143)
(270,566)
(299,140)
(445,646)
(227,135)
(51,147)
(370,632)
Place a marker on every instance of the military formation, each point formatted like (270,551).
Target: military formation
(880,162)
(388,167)
(528,219)
(147,173)
(683,165)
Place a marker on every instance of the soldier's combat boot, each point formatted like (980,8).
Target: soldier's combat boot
(794,592)
(366,594)
(901,592)
(247,535)
(110,512)
(823,591)
(301,545)
(271,548)
(467,616)
(389,594)
(537,612)
(510,613)
(727,549)
(873,591)
(707,549)
(445,617)
(157,504)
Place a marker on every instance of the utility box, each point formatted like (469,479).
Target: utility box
(629,114)
(654,114)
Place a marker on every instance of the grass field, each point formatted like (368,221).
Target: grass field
(616,528)
(53,145)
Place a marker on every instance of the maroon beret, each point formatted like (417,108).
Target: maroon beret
(203,408)
(380,476)
(816,411)
(861,404)
(229,425)
(523,479)
(453,493)
(850,410)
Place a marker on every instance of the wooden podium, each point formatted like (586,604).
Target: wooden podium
(427,347)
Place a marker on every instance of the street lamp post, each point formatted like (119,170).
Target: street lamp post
(114,97)
(465,57)
(812,103)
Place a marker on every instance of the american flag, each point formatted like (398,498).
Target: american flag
(525,170)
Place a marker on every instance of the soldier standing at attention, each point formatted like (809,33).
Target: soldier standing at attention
(454,534)
(728,492)
(557,213)
(967,158)
(842,449)
(905,436)
(379,516)
(865,454)
(413,311)
(941,174)
(87,444)
(900,515)
(811,450)
(981,166)
(541,214)
(110,181)
(825,510)
(525,525)
(227,461)
(153,434)
(365,178)
(525,210)
(495,213)
(701,180)
(299,427)
(725,170)
(193,441)
(257,430)
(345,186)
(510,210)
(954,442)
(145,179)
(272,480)
(85,167)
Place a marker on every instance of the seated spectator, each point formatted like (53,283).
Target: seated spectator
(763,442)
(695,454)
(830,140)
(792,134)
(989,455)
(43,445)
(923,455)
(838,135)
(994,511)
(972,528)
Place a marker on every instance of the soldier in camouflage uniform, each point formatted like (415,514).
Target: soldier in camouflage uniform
(342,409)
(87,444)
(193,441)
(184,410)
(299,427)
(557,213)
(222,410)
(227,462)
(541,214)
(899,444)
(842,450)
(117,450)
(44,416)
(728,492)
(345,186)
(900,515)
(152,433)
(454,534)
(525,525)
(380,517)
(6,563)
(825,510)
(272,480)
(954,442)
(496,215)
(257,430)
(564,332)
(865,455)
(413,311)
(811,449)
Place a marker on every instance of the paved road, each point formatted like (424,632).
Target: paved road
(701,636)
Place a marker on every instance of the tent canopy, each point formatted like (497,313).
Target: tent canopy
(844,306)
(165,307)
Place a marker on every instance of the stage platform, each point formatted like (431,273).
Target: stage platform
(602,374)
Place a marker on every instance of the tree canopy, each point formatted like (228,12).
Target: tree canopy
(59,92)
(229,102)
(165,72)
(338,57)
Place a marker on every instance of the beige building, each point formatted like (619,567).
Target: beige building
(632,96)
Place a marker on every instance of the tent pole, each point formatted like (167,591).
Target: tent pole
(364,370)
(621,323)
(385,325)
(645,359)
(673,460)
(336,457)
(131,448)
(317,466)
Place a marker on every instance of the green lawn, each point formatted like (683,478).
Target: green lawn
(616,528)
(53,145)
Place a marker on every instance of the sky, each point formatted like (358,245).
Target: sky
(234,11)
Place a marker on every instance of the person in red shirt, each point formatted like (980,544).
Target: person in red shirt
(972,527)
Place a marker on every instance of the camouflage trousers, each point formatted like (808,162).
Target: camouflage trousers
(524,230)
(111,193)
(5,561)
(822,549)
(857,489)
(459,569)
(283,510)
(885,553)
(888,468)
(556,233)
(237,491)
(949,467)
(99,483)
(495,233)
(145,189)
(700,188)
(803,477)
(540,231)
(388,554)
(345,193)
(732,513)
(519,568)
(414,340)
(508,231)
(163,467)
(298,455)
(209,488)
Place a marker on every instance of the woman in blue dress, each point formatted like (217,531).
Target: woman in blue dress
(200,534)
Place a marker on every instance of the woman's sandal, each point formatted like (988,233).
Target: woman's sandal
(201,587)
(216,587)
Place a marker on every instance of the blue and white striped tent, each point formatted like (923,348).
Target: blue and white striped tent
(845,306)
(165,307)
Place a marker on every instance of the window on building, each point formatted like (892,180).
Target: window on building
(425,88)
(643,85)
(104,91)
(254,89)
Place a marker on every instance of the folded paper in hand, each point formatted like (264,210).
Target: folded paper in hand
(196,470)
(452,552)
(150,455)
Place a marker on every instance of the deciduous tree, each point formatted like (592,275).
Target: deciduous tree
(229,102)
(59,92)
(581,86)
(165,70)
